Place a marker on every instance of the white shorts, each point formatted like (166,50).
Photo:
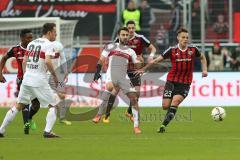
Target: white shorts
(44,95)
(123,83)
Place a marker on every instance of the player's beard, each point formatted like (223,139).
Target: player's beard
(123,42)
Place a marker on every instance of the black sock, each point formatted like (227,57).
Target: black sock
(129,110)
(33,111)
(25,114)
(110,105)
(170,115)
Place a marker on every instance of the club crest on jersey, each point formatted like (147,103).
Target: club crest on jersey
(135,41)
(190,53)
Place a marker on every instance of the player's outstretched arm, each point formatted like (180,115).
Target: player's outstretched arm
(204,65)
(2,64)
(155,61)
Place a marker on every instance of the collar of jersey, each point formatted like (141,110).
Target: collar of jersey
(20,44)
(181,49)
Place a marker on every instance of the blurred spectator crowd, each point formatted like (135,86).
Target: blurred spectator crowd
(160,20)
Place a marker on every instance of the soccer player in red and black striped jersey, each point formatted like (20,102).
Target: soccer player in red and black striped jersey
(18,52)
(180,76)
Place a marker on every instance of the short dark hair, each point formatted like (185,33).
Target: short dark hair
(130,22)
(122,29)
(48,27)
(182,30)
(24,32)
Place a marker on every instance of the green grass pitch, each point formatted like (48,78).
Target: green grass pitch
(193,135)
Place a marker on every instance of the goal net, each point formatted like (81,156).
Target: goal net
(10,29)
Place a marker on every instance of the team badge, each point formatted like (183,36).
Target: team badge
(190,53)
(135,41)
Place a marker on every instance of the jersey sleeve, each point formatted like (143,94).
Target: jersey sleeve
(107,49)
(10,52)
(49,50)
(134,56)
(167,53)
(145,41)
(59,48)
(62,57)
(197,52)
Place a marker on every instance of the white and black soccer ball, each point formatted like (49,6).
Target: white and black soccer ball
(218,113)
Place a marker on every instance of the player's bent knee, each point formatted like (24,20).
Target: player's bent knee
(20,106)
(109,86)
(176,102)
(165,105)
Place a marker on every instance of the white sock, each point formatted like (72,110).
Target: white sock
(50,119)
(62,109)
(135,117)
(103,105)
(10,115)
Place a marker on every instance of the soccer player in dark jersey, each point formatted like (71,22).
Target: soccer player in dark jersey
(180,76)
(18,52)
(138,43)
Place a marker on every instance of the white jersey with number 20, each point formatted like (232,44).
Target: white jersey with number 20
(36,69)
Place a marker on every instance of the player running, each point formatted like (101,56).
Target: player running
(120,56)
(35,81)
(138,43)
(180,76)
(18,52)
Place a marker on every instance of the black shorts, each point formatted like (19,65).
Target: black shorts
(173,88)
(135,80)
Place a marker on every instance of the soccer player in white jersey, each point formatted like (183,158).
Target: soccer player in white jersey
(120,56)
(35,81)
(60,66)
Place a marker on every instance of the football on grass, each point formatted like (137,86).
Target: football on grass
(218,113)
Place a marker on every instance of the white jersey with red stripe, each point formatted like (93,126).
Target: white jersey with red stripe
(59,58)
(36,69)
(119,59)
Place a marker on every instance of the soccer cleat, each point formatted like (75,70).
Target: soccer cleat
(26,128)
(137,130)
(106,120)
(50,135)
(33,125)
(66,122)
(130,116)
(1,135)
(161,129)
(96,119)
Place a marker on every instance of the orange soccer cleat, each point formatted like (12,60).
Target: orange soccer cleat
(97,118)
(137,130)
